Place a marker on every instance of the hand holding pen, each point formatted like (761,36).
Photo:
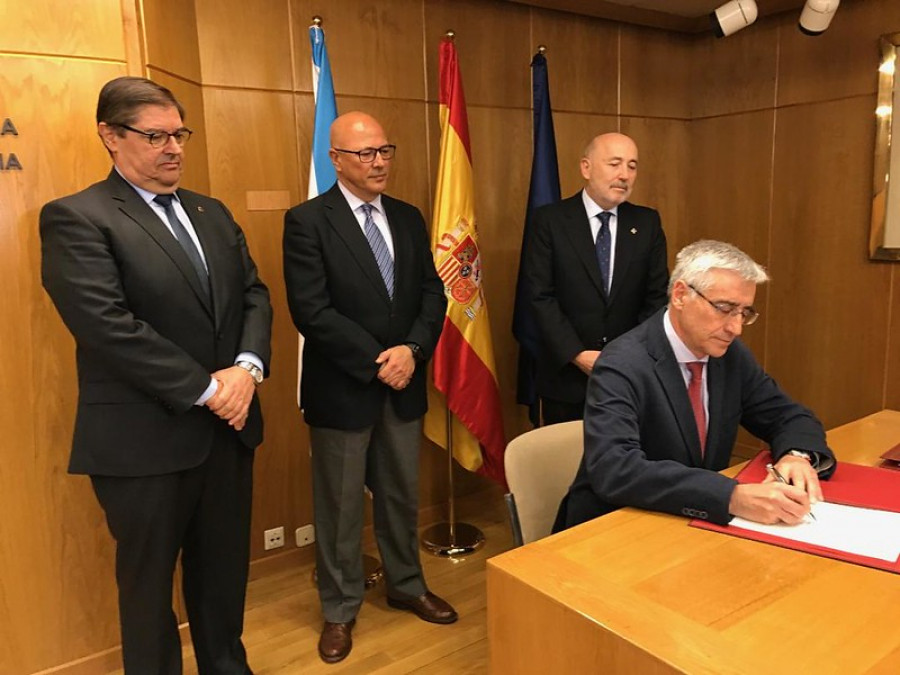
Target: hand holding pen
(776,475)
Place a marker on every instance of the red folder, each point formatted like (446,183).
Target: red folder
(852,484)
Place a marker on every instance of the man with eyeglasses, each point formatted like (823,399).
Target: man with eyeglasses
(665,400)
(172,330)
(363,291)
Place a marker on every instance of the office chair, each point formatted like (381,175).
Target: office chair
(540,466)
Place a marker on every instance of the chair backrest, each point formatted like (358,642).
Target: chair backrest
(540,466)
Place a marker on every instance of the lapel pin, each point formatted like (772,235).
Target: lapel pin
(633,230)
(200,209)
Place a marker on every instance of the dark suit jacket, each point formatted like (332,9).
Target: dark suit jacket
(340,304)
(641,442)
(572,311)
(147,337)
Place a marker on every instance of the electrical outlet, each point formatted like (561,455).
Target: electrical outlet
(274,538)
(305,535)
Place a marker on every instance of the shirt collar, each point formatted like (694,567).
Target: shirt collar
(355,202)
(593,208)
(682,353)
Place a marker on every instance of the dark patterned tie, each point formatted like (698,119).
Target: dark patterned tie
(380,250)
(603,248)
(181,234)
(695,393)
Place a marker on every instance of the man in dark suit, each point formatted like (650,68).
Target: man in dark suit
(363,290)
(665,401)
(596,266)
(171,326)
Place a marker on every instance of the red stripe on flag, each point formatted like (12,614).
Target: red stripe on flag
(472,395)
(451,92)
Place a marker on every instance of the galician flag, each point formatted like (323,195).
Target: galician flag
(321,171)
(465,377)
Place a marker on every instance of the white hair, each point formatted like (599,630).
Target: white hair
(694,261)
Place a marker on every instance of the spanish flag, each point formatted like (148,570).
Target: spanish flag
(465,377)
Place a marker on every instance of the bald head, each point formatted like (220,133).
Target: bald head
(351,133)
(609,169)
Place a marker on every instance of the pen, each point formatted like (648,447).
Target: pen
(781,479)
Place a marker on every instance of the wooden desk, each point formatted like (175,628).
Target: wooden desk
(643,593)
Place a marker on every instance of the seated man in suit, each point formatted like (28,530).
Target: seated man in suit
(665,400)
(596,268)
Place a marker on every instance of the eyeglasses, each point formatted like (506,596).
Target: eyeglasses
(367,155)
(748,314)
(160,139)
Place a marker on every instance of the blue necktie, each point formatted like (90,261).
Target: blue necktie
(603,248)
(181,234)
(380,250)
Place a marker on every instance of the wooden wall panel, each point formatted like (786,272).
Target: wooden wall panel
(662,144)
(656,73)
(170,35)
(375,49)
(56,582)
(242,158)
(828,325)
(501,194)
(577,83)
(492,40)
(736,73)
(87,29)
(245,43)
(841,62)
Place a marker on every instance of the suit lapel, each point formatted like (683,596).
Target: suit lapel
(133,206)
(668,372)
(578,230)
(205,228)
(715,385)
(625,242)
(344,222)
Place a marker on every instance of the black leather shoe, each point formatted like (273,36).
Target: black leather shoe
(335,642)
(427,607)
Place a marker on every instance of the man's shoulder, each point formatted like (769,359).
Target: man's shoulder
(631,210)
(568,205)
(644,339)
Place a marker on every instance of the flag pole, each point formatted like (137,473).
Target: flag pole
(450,539)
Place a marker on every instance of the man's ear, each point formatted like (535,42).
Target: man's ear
(108,135)
(333,155)
(679,288)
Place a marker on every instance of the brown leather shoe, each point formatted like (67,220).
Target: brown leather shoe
(427,607)
(335,641)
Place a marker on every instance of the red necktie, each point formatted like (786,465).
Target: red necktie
(695,393)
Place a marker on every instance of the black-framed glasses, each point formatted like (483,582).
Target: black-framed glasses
(160,139)
(367,155)
(748,314)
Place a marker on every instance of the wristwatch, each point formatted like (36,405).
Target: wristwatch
(416,350)
(804,455)
(253,369)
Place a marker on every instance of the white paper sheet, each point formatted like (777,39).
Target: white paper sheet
(867,532)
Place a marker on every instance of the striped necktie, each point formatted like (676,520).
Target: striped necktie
(380,250)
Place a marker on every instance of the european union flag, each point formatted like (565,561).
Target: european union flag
(544,189)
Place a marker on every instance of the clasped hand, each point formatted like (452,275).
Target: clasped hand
(773,502)
(234,392)
(396,366)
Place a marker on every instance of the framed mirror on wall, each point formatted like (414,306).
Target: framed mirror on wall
(884,235)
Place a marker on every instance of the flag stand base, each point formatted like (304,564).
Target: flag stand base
(448,540)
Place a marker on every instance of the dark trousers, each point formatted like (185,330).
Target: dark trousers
(384,457)
(554,412)
(204,513)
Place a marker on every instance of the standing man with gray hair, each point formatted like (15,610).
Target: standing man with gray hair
(596,267)
(172,329)
(665,400)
